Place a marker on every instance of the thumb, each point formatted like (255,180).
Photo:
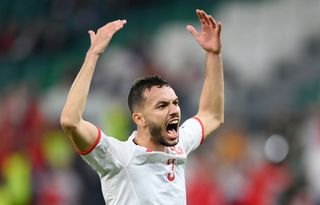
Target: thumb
(92,35)
(192,30)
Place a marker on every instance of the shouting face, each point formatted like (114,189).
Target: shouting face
(162,115)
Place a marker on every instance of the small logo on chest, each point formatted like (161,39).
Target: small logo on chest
(176,150)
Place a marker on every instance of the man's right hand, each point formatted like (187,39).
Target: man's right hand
(101,39)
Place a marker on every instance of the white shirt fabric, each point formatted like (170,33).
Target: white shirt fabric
(131,174)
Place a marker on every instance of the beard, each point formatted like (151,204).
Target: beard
(156,133)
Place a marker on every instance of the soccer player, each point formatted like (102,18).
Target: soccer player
(149,167)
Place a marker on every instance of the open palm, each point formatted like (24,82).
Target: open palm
(209,37)
(101,39)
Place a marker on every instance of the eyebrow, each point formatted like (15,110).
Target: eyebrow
(166,101)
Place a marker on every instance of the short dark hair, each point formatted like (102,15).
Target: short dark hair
(136,92)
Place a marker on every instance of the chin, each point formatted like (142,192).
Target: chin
(171,143)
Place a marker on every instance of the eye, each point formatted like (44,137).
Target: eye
(176,102)
(161,106)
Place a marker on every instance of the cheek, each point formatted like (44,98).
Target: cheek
(178,110)
(155,116)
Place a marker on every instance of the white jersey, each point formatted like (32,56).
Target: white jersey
(131,174)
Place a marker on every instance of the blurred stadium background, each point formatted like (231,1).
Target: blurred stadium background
(266,153)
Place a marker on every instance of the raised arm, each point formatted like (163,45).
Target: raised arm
(82,133)
(211,105)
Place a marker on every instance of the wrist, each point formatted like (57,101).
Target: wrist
(214,53)
(92,54)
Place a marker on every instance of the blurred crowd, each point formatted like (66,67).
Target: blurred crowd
(266,153)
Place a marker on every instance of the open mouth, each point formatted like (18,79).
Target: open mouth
(172,127)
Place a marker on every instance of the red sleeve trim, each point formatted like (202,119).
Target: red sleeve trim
(85,152)
(202,128)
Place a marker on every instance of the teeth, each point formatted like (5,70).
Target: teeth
(174,121)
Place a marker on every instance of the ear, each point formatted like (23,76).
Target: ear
(138,118)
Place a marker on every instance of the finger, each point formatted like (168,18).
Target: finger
(201,19)
(219,25)
(92,35)
(192,30)
(121,23)
(198,12)
(205,17)
(116,25)
(212,21)
(118,22)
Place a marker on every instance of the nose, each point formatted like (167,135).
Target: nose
(174,110)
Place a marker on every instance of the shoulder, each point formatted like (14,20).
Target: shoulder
(192,125)
(106,143)
(191,134)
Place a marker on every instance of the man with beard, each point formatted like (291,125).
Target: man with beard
(149,167)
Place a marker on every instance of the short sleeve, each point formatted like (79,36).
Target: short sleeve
(191,134)
(105,156)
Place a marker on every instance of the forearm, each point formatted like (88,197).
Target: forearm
(211,105)
(77,97)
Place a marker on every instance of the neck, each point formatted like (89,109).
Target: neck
(143,138)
